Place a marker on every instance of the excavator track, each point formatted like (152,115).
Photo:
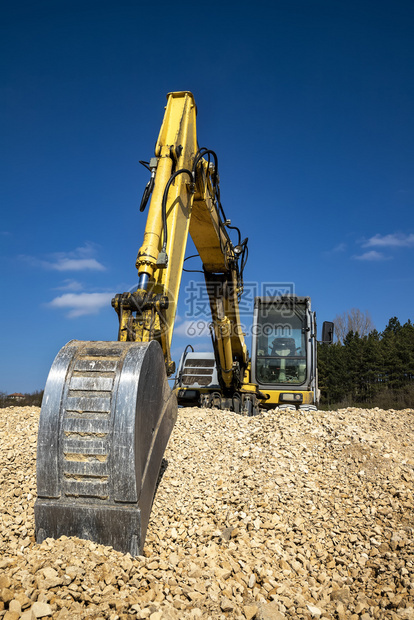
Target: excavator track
(106,417)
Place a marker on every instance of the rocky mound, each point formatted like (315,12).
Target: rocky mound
(285,515)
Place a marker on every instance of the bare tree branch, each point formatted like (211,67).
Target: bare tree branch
(353,320)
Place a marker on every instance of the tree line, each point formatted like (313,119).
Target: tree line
(363,367)
(374,369)
(21,400)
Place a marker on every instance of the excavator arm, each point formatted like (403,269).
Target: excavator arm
(185,199)
(107,410)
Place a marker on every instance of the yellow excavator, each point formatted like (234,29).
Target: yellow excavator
(107,410)
(282,364)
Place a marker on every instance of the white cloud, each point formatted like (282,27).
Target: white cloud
(70,285)
(373,255)
(80,259)
(80,304)
(399,240)
(337,249)
(76,264)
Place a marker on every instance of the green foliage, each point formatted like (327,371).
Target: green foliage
(375,370)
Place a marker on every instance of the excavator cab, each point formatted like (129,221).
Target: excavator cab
(284,350)
(286,363)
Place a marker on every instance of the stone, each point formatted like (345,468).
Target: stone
(49,573)
(14,605)
(226,604)
(41,610)
(270,611)
(6,595)
(270,519)
(226,533)
(5,582)
(250,611)
(341,595)
(11,615)
(23,600)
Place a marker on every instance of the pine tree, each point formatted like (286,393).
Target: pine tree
(376,369)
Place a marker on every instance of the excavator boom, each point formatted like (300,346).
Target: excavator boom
(185,199)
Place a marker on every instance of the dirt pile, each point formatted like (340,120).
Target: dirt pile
(285,515)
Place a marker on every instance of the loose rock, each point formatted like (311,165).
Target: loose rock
(294,515)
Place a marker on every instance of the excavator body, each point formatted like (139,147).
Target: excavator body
(108,411)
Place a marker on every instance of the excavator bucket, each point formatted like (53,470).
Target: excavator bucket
(106,417)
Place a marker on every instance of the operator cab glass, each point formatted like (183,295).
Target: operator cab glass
(281,345)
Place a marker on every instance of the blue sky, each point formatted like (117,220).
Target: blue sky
(308,104)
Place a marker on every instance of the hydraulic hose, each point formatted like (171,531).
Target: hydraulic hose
(199,155)
(164,203)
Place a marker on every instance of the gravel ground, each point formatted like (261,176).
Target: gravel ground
(285,515)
